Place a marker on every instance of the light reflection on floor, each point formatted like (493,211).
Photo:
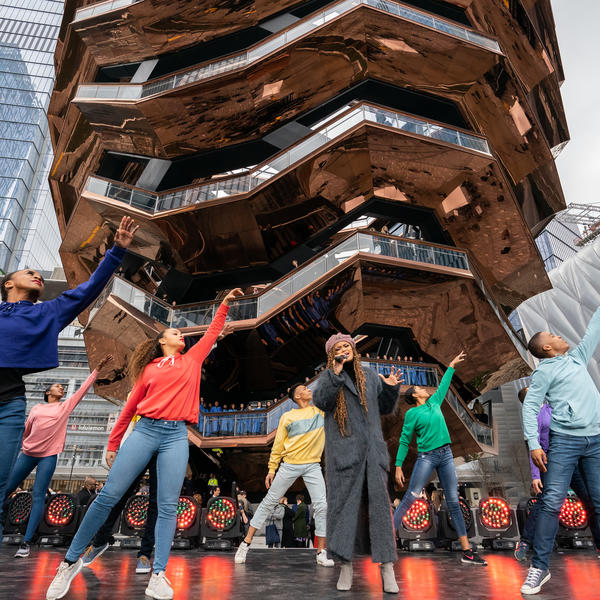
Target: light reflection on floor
(267,575)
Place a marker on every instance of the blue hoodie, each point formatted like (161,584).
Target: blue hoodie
(29,332)
(569,388)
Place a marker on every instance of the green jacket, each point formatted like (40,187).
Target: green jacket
(427,421)
(300,525)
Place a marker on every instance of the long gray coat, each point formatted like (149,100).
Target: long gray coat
(362,451)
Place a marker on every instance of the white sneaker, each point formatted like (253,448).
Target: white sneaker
(62,580)
(323,561)
(23,551)
(240,555)
(159,587)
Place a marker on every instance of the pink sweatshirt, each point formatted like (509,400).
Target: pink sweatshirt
(46,425)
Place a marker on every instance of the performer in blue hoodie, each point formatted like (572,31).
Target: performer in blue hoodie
(563,380)
(29,332)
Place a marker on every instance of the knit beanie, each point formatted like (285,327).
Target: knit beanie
(338,337)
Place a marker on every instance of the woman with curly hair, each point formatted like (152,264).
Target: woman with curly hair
(165,396)
(357,459)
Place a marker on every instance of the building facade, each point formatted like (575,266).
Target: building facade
(29,235)
(247,139)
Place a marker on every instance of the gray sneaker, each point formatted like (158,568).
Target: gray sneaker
(536,578)
(62,580)
(143,565)
(92,553)
(23,551)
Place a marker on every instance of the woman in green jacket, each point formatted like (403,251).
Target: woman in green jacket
(433,444)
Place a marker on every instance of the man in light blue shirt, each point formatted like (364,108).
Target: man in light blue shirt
(563,380)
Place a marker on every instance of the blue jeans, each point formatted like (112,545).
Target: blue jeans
(12,424)
(565,452)
(168,439)
(579,486)
(442,460)
(45,469)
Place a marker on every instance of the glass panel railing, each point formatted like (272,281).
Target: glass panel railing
(252,308)
(101,8)
(273,43)
(231,186)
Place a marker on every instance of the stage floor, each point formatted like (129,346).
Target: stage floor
(279,574)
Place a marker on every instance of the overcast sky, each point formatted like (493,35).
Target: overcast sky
(577,26)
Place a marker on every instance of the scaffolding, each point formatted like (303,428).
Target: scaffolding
(585,215)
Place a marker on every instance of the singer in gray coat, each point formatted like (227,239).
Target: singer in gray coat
(356,453)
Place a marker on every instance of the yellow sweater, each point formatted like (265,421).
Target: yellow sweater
(300,438)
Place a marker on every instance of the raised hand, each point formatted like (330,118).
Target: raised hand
(125,233)
(233,294)
(394,378)
(106,359)
(458,359)
(227,330)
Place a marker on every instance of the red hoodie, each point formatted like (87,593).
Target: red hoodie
(168,388)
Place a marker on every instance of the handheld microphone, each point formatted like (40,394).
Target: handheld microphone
(341,358)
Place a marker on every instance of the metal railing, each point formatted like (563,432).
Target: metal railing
(271,44)
(256,306)
(243,184)
(263,422)
(101,8)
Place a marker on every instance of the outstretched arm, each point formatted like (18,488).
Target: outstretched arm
(201,349)
(387,391)
(128,412)
(585,349)
(72,302)
(69,405)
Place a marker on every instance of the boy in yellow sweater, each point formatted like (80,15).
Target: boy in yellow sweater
(297,450)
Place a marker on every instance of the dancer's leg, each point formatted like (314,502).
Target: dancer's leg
(426,462)
(148,537)
(286,475)
(171,463)
(447,474)
(43,476)
(564,453)
(315,484)
(580,487)
(590,472)
(12,424)
(131,459)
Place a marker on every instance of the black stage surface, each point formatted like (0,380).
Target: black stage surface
(292,574)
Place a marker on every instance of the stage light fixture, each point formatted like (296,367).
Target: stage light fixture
(61,518)
(188,523)
(418,527)
(16,517)
(573,530)
(496,524)
(446,527)
(220,523)
(133,520)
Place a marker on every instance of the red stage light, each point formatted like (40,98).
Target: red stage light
(20,508)
(220,514)
(186,513)
(137,511)
(495,513)
(60,510)
(573,514)
(418,516)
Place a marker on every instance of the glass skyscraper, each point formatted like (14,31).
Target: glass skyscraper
(29,234)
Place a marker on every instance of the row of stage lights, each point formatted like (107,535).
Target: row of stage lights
(493,519)
(219,522)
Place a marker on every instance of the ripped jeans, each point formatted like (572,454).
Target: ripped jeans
(442,460)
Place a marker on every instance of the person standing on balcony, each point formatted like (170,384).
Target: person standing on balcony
(425,419)
(43,441)
(32,328)
(577,484)
(353,398)
(165,396)
(296,452)
(563,380)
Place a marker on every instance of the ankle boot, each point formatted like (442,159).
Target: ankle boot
(388,578)
(345,579)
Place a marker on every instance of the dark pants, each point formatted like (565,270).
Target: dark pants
(104,534)
(579,486)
